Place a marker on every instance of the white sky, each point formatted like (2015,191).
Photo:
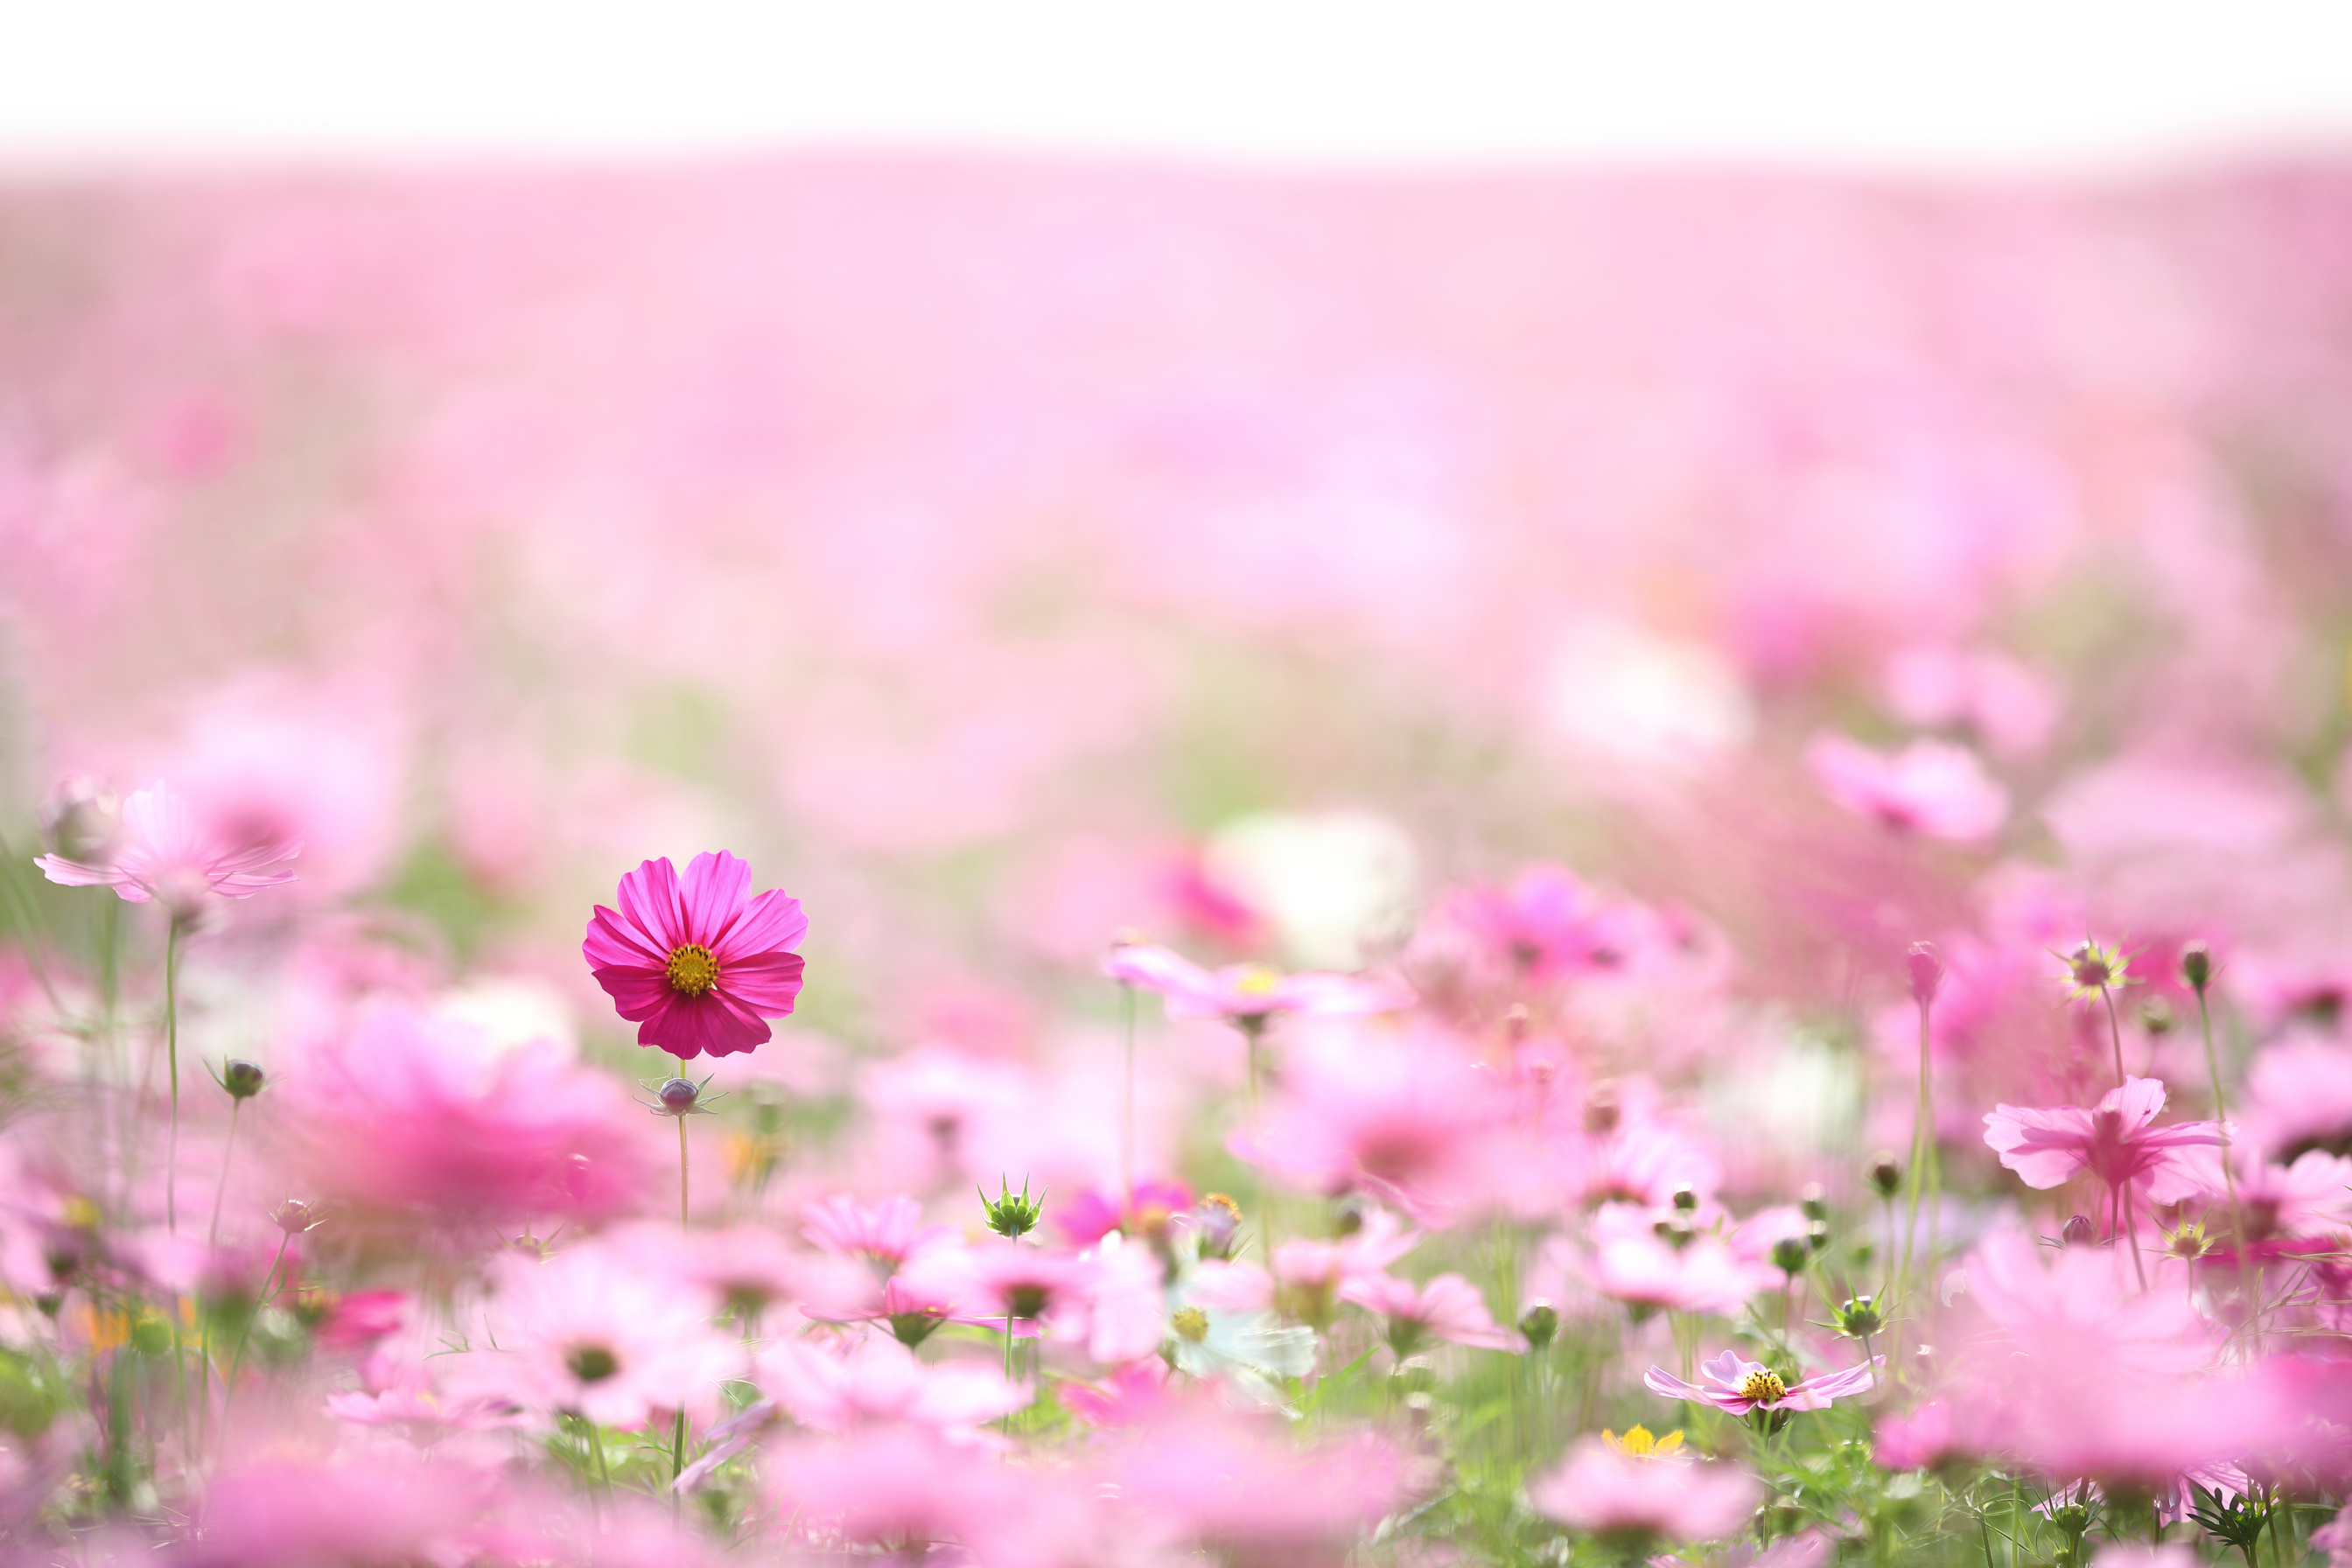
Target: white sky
(1984,85)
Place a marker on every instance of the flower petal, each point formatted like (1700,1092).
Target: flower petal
(715,887)
(770,923)
(650,900)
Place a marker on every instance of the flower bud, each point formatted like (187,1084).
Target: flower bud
(1602,1110)
(1860,1317)
(1791,1255)
(2156,1015)
(1817,1236)
(1686,1197)
(1012,1215)
(2077,1231)
(1885,1174)
(1540,1322)
(1814,1202)
(294,1216)
(678,1095)
(2197,966)
(81,820)
(1350,1219)
(241,1078)
(1926,967)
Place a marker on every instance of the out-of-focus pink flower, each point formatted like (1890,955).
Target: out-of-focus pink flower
(2009,706)
(361,1318)
(1038,1291)
(2139,1555)
(1141,1391)
(1915,1441)
(1547,925)
(2075,1307)
(167,854)
(2115,1141)
(699,965)
(285,1515)
(1249,993)
(1625,1496)
(2309,1199)
(884,1236)
(1631,1262)
(2299,1097)
(1448,1308)
(1410,1116)
(591,1332)
(412,1115)
(1308,1274)
(873,1379)
(1930,787)
(1739,1385)
(1090,1216)
(1244,1490)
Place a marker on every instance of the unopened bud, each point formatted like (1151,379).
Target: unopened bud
(1012,1215)
(1926,967)
(2156,1015)
(1686,1197)
(2197,966)
(1860,1317)
(1791,1255)
(1602,1110)
(241,1078)
(1817,1236)
(2077,1231)
(1350,1219)
(1540,1322)
(678,1095)
(1219,1219)
(1675,1232)
(294,1216)
(1885,1174)
(1814,1202)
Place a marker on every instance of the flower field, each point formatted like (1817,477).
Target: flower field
(902,859)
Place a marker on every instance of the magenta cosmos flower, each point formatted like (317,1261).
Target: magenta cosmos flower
(698,965)
(1737,1386)
(2113,1140)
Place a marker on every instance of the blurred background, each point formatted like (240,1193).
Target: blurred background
(1016,475)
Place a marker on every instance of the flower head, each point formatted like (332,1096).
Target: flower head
(2092,970)
(1247,994)
(166,853)
(1633,1497)
(2113,1140)
(1739,1385)
(1930,787)
(697,965)
(1448,1308)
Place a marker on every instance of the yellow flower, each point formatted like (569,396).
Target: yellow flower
(1637,1444)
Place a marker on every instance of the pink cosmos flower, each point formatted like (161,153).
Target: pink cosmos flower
(1915,1441)
(697,966)
(2113,1141)
(1248,992)
(1606,1492)
(1547,924)
(1930,787)
(1448,1308)
(874,1379)
(1632,1263)
(287,1515)
(901,1488)
(1039,1291)
(592,1333)
(1308,1274)
(2300,1097)
(407,1115)
(166,853)
(1739,1385)
(883,1236)
(1245,1491)
(1139,1391)
(1087,1218)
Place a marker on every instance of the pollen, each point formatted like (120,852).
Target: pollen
(1259,981)
(1190,1323)
(1638,1444)
(1764,1388)
(693,970)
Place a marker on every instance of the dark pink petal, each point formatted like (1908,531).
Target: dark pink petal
(666,1025)
(767,985)
(649,898)
(730,1027)
(714,890)
(771,921)
(636,994)
(612,940)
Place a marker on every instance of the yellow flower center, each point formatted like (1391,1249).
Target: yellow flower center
(1190,1323)
(693,970)
(1764,1388)
(1637,1444)
(1258,981)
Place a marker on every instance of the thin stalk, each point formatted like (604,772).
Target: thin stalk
(596,1441)
(171,1054)
(676,1454)
(237,1358)
(2114,1031)
(27,917)
(1924,1177)
(1008,1367)
(683,1223)
(2131,1227)
(228,1151)
(2221,1116)
(1126,1102)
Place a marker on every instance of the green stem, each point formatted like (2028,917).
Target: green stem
(596,1442)
(2114,1032)
(678,1449)
(228,1151)
(683,1223)
(172,1055)
(236,1357)
(1126,1102)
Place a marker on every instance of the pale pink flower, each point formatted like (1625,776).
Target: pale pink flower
(1141,1391)
(883,1236)
(418,1116)
(873,1379)
(1737,1386)
(1309,1273)
(1547,925)
(1930,787)
(1243,1489)
(1448,1308)
(2311,1199)
(1248,992)
(697,965)
(591,1332)
(1921,1438)
(1038,1291)
(287,1515)
(2115,1141)
(166,852)
(1631,1262)
(1604,1492)
(2299,1097)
